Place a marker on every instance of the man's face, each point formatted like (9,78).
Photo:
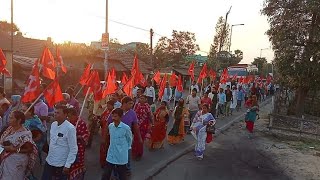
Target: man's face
(59,115)
(139,92)
(193,93)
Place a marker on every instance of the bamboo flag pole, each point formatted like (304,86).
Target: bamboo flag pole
(34,102)
(84,101)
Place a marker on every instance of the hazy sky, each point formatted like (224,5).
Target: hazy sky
(83,21)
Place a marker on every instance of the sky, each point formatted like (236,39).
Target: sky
(83,21)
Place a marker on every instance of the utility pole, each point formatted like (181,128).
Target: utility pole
(151,49)
(106,48)
(222,38)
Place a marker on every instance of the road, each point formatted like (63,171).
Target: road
(231,156)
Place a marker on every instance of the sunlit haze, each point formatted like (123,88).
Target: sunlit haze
(84,21)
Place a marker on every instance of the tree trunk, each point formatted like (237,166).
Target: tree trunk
(300,101)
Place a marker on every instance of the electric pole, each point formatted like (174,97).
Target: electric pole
(151,49)
(223,36)
(106,42)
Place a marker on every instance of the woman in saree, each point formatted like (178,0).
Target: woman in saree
(77,169)
(158,130)
(104,145)
(251,115)
(144,115)
(38,130)
(199,130)
(19,151)
(177,133)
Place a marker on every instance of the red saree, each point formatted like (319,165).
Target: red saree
(159,131)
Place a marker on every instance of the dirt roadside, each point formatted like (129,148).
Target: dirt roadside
(297,159)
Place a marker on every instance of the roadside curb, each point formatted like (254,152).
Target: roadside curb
(157,168)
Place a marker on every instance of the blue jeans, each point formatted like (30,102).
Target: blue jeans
(53,173)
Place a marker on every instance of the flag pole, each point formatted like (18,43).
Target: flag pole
(84,101)
(34,102)
(78,92)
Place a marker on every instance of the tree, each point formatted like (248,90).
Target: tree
(6,27)
(295,36)
(174,51)
(222,35)
(260,62)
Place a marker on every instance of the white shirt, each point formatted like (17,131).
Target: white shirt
(195,86)
(134,91)
(150,92)
(63,147)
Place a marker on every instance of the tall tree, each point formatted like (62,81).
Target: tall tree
(6,27)
(261,63)
(174,50)
(221,35)
(295,36)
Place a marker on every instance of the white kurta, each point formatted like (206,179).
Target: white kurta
(233,105)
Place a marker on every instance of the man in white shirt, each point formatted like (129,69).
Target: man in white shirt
(63,147)
(150,93)
(167,94)
(194,86)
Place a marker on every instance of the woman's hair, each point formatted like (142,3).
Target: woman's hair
(110,102)
(118,111)
(164,102)
(72,111)
(31,110)
(18,115)
(254,101)
(126,99)
(144,96)
(205,105)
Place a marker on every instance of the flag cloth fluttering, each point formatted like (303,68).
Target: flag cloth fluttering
(32,90)
(53,93)
(48,64)
(3,63)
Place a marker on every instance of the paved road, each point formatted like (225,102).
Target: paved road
(228,157)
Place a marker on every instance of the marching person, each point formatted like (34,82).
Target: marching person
(19,155)
(77,170)
(150,93)
(120,143)
(63,147)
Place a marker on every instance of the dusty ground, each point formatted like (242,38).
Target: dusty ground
(234,156)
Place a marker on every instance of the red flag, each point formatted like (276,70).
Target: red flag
(60,61)
(138,76)
(203,74)
(162,86)
(124,79)
(3,62)
(113,74)
(129,86)
(224,76)
(85,76)
(180,85)
(32,90)
(157,77)
(173,79)
(240,80)
(95,85)
(53,93)
(110,86)
(212,74)
(48,64)
(234,78)
(191,70)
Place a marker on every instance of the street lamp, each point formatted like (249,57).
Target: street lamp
(262,50)
(231,33)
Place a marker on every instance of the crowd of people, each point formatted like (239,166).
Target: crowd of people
(126,124)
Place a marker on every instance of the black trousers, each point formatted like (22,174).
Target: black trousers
(121,170)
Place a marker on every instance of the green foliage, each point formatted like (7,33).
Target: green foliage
(6,27)
(172,51)
(295,36)
(221,38)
